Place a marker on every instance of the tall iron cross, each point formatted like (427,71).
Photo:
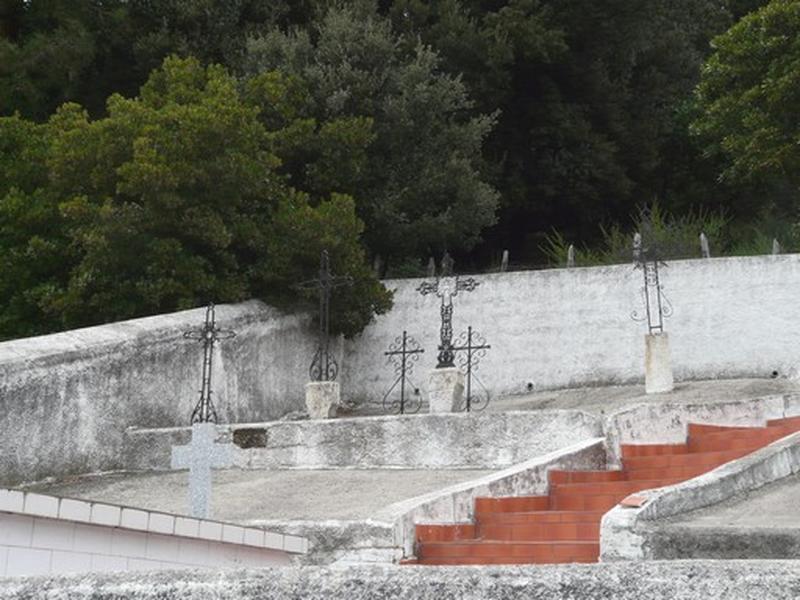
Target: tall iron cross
(446,289)
(323,365)
(656,305)
(475,351)
(208,334)
(408,351)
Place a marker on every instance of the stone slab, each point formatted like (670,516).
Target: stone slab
(322,399)
(445,390)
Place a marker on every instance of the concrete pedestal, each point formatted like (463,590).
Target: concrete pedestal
(322,399)
(657,364)
(445,390)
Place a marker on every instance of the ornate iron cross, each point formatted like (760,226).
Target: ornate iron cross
(446,289)
(323,365)
(402,354)
(204,411)
(475,346)
(655,304)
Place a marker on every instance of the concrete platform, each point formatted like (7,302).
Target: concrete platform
(611,398)
(255,496)
(761,524)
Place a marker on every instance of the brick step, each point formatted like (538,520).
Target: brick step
(445,533)
(541,516)
(595,502)
(531,552)
(744,441)
(533,532)
(711,459)
(786,421)
(610,487)
(699,430)
(677,473)
(511,504)
(557,476)
(637,450)
(498,560)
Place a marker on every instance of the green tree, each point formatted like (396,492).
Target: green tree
(420,186)
(171,200)
(749,95)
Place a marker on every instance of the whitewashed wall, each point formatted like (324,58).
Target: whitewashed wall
(67,399)
(733,317)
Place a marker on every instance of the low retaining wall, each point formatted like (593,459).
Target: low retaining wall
(628,533)
(474,441)
(729,580)
(41,534)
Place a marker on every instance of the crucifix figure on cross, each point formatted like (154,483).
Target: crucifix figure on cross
(323,365)
(208,334)
(447,288)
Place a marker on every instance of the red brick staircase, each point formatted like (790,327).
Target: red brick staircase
(564,526)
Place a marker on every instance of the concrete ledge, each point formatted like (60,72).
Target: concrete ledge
(627,533)
(680,542)
(731,580)
(469,441)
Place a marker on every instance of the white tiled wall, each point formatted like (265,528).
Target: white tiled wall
(31,544)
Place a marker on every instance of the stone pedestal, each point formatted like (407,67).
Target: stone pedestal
(445,390)
(322,399)
(657,364)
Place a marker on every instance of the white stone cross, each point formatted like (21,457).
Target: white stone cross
(200,456)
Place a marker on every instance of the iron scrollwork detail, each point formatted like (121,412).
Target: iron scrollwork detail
(472,347)
(403,354)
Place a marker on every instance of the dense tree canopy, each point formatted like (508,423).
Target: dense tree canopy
(400,128)
(750,95)
(169,201)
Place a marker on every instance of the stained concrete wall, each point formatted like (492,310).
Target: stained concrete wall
(443,441)
(731,580)
(67,399)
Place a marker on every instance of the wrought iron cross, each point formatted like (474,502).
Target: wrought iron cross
(403,353)
(323,365)
(475,346)
(209,334)
(446,289)
(655,303)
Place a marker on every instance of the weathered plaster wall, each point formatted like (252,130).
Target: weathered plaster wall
(444,441)
(733,317)
(66,399)
(729,580)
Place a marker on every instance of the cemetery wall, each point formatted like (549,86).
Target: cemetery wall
(66,399)
(733,317)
